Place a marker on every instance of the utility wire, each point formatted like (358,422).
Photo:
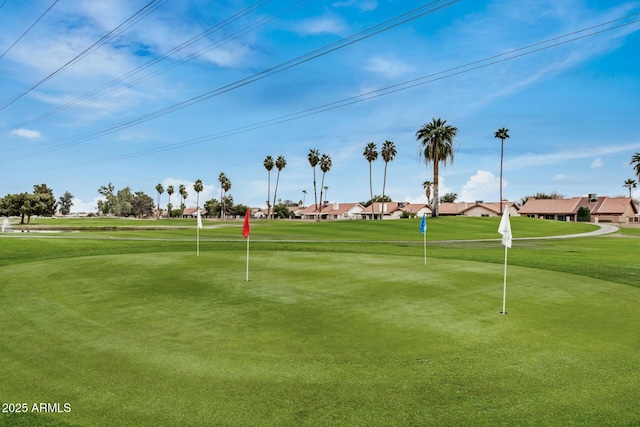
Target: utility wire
(410,84)
(104,91)
(28,29)
(376,29)
(150,7)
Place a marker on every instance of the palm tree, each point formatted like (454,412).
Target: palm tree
(314,158)
(280,164)
(221,179)
(388,152)
(160,190)
(268,165)
(304,196)
(170,191)
(436,145)
(325,166)
(198,186)
(630,183)
(636,159)
(502,134)
(183,196)
(370,153)
(427,190)
(226,186)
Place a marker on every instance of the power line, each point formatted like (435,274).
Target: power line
(410,84)
(104,91)
(132,20)
(362,35)
(28,29)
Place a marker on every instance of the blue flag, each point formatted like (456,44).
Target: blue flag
(423,224)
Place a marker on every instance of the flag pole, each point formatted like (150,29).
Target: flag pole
(247,259)
(504,292)
(505,230)
(425,247)
(246,231)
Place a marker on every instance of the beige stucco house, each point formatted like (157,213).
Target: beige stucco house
(476,209)
(619,210)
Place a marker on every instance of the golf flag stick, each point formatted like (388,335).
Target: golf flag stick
(505,230)
(199,226)
(423,230)
(246,231)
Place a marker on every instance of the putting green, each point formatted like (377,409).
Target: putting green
(315,338)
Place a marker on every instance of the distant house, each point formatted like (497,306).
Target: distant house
(620,210)
(476,209)
(395,210)
(193,212)
(332,211)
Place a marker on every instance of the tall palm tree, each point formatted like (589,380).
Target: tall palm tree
(502,134)
(427,190)
(630,183)
(198,186)
(370,153)
(160,190)
(226,186)
(314,158)
(325,166)
(268,165)
(183,194)
(280,164)
(635,159)
(388,152)
(436,145)
(170,191)
(221,179)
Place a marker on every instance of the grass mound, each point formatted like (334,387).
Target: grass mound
(143,332)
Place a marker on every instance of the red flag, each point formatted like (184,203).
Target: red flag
(246,228)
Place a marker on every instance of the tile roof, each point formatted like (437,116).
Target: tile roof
(550,206)
(616,205)
(600,205)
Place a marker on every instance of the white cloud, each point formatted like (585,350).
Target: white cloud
(597,163)
(26,133)
(80,206)
(390,68)
(361,5)
(482,186)
(322,25)
(560,177)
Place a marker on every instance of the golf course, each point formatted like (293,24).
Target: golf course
(121,322)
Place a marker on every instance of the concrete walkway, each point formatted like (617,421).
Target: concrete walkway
(604,229)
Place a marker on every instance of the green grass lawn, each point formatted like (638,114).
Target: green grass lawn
(340,324)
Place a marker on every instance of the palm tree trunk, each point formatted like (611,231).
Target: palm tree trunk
(275,192)
(321,187)
(269,195)
(315,192)
(371,191)
(384,184)
(501,157)
(436,199)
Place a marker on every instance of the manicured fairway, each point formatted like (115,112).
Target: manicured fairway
(143,332)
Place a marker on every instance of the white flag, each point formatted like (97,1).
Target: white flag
(505,228)
(199,220)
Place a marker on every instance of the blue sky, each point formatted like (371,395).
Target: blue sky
(572,109)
